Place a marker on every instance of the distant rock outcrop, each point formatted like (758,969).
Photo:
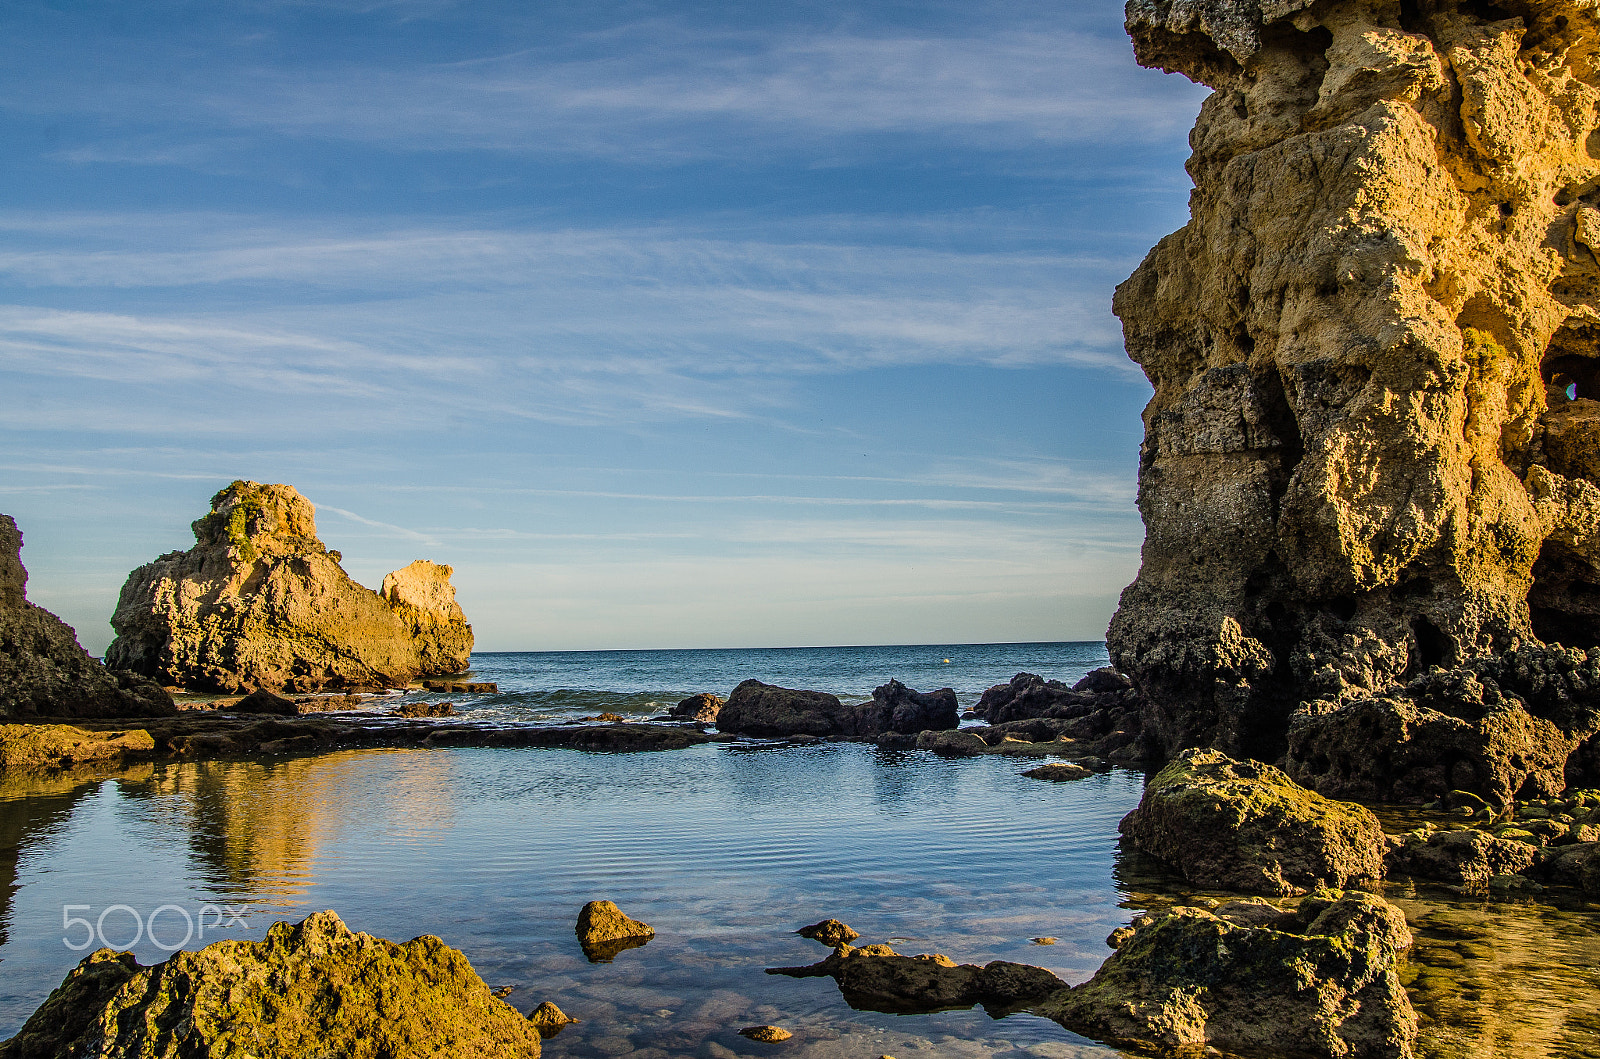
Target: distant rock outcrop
(43,670)
(260,602)
(1376,357)
(761,709)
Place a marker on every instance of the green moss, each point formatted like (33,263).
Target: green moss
(1480,346)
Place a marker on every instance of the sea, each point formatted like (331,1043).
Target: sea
(726,849)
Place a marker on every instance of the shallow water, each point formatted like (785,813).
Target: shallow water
(725,850)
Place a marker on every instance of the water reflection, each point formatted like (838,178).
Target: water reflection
(34,805)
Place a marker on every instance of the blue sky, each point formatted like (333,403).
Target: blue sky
(666,324)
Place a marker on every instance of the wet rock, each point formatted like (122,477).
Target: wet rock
(260,602)
(604,930)
(1028,695)
(550,1020)
(457,687)
(44,672)
(1242,825)
(46,746)
(830,932)
(1353,471)
(766,1034)
(426,709)
(606,718)
(876,978)
(704,707)
(952,744)
(1059,772)
(1322,982)
(313,988)
(761,709)
(263,701)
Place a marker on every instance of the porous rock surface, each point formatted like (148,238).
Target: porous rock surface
(761,709)
(260,602)
(604,930)
(43,669)
(1318,981)
(312,988)
(876,978)
(1242,825)
(1499,727)
(51,746)
(1375,349)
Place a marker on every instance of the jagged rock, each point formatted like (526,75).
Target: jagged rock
(1465,856)
(765,1034)
(953,744)
(426,709)
(312,988)
(830,932)
(876,978)
(1320,981)
(703,707)
(1102,712)
(604,930)
(43,670)
(1242,825)
(1374,351)
(1500,727)
(46,746)
(263,701)
(761,709)
(260,602)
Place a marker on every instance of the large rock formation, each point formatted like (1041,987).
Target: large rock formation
(1375,349)
(761,709)
(312,988)
(260,602)
(43,670)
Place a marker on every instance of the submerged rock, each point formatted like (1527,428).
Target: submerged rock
(1373,351)
(1242,825)
(44,672)
(876,978)
(761,709)
(312,988)
(1465,856)
(47,746)
(1059,772)
(604,931)
(1319,981)
(259,602)
(765,1034)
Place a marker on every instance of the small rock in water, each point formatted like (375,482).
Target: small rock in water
(1043,941)
(767,1034)
(550,1019)
(1059,772)
(831,932)
(703,707)
(609,718)
(263,701)
(604,931)
(426,709)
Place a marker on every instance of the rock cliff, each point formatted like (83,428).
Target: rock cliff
(43,670)
(260,602)
(1374,442)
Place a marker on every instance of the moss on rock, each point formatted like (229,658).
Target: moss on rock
(313,988)
(1242,825)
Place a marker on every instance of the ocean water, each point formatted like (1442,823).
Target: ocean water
(725,849)
(552,687)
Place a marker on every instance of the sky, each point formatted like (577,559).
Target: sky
(687,324)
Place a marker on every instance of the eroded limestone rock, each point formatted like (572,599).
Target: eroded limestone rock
(44,672)
(1318,981)
(604,930)
(761,709)
(312,988)
(1242,825)
(1376,356)
(260,602)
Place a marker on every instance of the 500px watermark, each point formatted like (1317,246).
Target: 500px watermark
(123,918)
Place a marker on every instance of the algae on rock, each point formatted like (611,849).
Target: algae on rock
(1374,443)
(312,988)
(260,602)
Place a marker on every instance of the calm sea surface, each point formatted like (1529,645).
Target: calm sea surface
(724,848)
